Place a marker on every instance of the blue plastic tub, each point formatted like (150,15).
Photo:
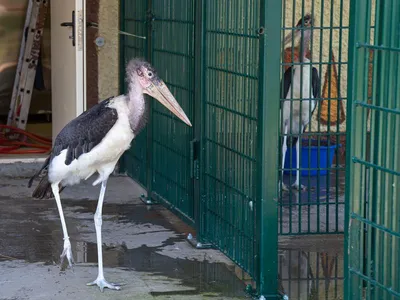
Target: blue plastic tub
(312,153)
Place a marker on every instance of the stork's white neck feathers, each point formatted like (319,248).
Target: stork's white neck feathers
(305,45)
(136,103)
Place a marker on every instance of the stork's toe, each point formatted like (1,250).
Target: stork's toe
(67,252)
(298,187)
(102,283)
(283,187)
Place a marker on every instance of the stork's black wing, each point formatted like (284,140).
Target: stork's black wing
(316,87)
(86,131)
(316,84)
(287,81)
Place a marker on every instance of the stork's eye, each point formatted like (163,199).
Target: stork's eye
(150,74)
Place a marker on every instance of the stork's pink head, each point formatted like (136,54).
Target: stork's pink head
(141,73)
(302,29)
(305,22)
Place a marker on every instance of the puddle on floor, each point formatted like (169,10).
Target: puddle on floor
(29,236)
(310,267)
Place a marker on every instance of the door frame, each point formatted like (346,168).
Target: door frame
(80,56)
(79,104)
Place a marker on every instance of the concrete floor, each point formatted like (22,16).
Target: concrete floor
(317,209)
(145,247)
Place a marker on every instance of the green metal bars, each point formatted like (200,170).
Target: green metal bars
(238,207)
(171,140)
(209,54)
(133,19)
(160,157)
(318,206)
(221,59)
(230,129)
(373,233)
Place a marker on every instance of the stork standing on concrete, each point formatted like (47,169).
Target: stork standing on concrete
(301,92)
(94,142)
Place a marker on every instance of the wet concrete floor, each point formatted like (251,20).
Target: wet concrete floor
(317,208)
(144,249)
(311,267)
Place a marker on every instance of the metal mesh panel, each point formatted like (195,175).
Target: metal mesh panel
(305,273)
(374,171)
(173,58)
(313,135)
(230,134)
(133,14)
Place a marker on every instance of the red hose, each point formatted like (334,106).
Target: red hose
(15,141)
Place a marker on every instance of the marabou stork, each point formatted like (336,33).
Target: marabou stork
(94,142)
(304,89)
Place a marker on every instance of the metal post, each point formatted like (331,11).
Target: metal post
(349,163)
(267,150)
(198,105)
(149,141)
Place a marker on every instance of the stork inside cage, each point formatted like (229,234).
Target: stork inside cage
(312,118)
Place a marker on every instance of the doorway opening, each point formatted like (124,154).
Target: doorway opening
(60,91)
(12,16)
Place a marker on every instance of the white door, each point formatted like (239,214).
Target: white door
(68,61)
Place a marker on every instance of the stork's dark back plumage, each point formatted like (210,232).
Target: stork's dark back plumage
(77,142)
(85,132)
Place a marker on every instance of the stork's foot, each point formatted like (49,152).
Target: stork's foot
(102,283)
(67,252)
(284,187)
(298,186)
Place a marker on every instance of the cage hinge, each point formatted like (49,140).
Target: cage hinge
(150,17)
(260,31)
(194,159)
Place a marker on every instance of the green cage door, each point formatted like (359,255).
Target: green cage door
(373,161)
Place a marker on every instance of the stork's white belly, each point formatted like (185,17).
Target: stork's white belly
(102,158)
(295,115)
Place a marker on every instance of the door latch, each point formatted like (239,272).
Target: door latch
(194,159)
(71,24)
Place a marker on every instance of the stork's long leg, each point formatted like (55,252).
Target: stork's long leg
(100,281)
(67,252)
(297,184)
(284,149)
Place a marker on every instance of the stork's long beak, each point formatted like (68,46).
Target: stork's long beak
(158,90)
(288,38)
(307,20)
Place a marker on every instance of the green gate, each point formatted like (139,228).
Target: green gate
(238,207)
(161,156)
(230,128)
(213,174)
(373,160)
